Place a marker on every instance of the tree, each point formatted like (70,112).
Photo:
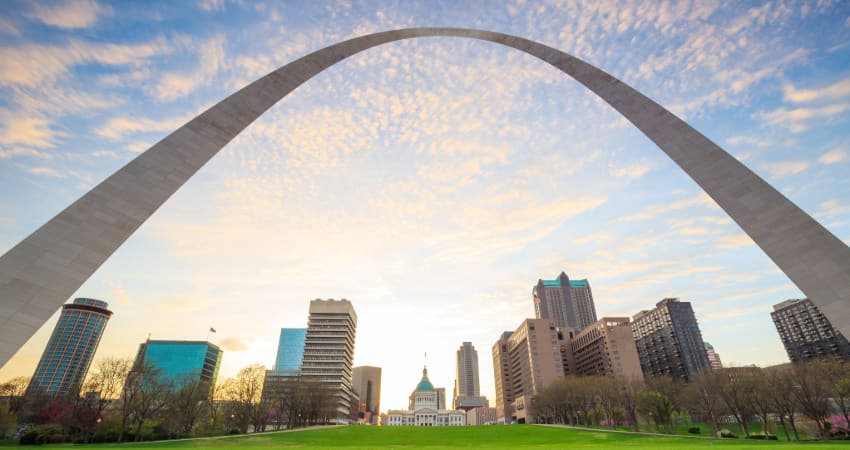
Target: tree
(736,395)
(657,407)
(8,421)
(243,395)
(145,394)
(626,390)
(15,390)
(812,392)
(703,394)
(780,385)
(839,378)
(103,386)
(186,406)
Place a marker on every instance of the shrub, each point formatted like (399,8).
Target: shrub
(44,434)
(762,437)
(694,430)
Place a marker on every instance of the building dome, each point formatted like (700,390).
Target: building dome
(425,384)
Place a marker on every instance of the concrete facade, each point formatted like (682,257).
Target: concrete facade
(568,303)
(42,271)
(806,334)
(367,384)
(607,348)
(668,340)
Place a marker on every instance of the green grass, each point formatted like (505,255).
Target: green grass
(482,437)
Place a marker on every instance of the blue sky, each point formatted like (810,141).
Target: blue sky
(432,181)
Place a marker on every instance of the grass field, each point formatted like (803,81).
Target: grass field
(482,437)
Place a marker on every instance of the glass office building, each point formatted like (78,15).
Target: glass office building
(181,362)
(70,350)
(290,349)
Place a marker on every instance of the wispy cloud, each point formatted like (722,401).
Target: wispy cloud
(833,157)
(632,171)
(234,344)
(32,65)
(655,210)
(211,5)
(797,119)
(69,14)
(30,131)
(833,91)
(785,168)
(46,171)
(7,27)
(174,85)
(117,128)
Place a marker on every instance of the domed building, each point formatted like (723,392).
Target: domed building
(426,408)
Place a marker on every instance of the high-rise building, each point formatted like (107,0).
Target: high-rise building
(502,377)
(533,358)
(181,362)
(607,348)
(806,333)
(367,384)
(467,392)
(70,350)
(427,408)
(329,351)
(290,349)
(668,340)
(713,357)
(569,303)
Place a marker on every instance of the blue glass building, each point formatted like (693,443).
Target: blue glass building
(181,362)
(70,350)
(290,349)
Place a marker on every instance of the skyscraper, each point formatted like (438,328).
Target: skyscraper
(668,340)
(713,357)
(367,384)
(806,333)
(569,303)
(607,348)
(181,362)
(329,352)
(290,349)
(502,377)
(467,391)
(70,350)
(525,361)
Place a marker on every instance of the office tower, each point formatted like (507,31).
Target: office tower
(713,357)
(466,391)
(329,352)
(533,360)
(70,350)
(806,333)
(181,362)
(569,303)
(367,384)
(668,340)
(502,378)
(607,348)
(290,349)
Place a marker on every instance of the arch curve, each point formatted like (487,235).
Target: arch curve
(38,274)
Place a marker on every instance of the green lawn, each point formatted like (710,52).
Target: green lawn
(483,437)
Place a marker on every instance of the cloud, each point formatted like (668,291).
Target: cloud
(833,157)
(633,171)
(785,168)
(71,14)
(137,147)
(234,344)
(596,237)
(16,151)
(7,27)
(833,91)
(101,153)
(796,119)
(45,171)
(211,5)
(32,65)
(117,128)
(179,84)
(17,129)
(736,240)
(833,207)
(655,210)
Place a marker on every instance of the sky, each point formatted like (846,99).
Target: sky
(432,181)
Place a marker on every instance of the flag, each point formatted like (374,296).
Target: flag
(212,330)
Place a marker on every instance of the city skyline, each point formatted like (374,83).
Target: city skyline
(464,217)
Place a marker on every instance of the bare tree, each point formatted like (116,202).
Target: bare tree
(186,406)
(145,394)
(736,395)
(704,397)
(243,395)
(626,390)
(812,393)
(103,386)
(780,385)
(15,389)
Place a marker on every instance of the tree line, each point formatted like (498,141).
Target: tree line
(810,398)
(120,402)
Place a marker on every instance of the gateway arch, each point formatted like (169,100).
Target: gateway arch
(42,271)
